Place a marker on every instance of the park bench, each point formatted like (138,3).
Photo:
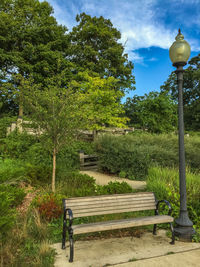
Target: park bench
(111,204)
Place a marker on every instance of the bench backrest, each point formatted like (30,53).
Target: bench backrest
(110,204)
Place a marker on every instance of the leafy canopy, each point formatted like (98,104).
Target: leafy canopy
(155,112)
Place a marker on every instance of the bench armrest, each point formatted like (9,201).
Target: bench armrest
(167,203)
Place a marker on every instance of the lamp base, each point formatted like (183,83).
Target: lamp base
(184,233)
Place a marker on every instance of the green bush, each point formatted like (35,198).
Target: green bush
(12,171)
(10,197)
(4,123)
(38,174)
(133,154)
(16,194)
(7,214)
(114,188)
(75,184)
(68,156)
(164,182)
(16,144)
(118,154)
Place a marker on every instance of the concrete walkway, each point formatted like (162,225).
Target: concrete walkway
(103,179)
(147,251)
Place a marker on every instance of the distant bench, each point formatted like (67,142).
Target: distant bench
(88,162)
(111,204)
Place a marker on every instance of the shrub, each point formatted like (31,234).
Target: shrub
(16,144)
(7,218)
(4,123)
(164,183)
(114,188)
(75,184)
(133,154)
(12,171)
(79,185)
(15,194)
(49,206)
(38,174)
(117,155)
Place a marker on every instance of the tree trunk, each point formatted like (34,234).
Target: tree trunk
(54,171)
(21,108)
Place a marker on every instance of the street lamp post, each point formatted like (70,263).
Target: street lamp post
(179,54)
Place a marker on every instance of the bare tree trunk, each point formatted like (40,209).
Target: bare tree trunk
(21,108)
(54,171)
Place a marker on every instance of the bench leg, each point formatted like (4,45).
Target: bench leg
(71,244)
(173,235)
(154,229)
(64,234)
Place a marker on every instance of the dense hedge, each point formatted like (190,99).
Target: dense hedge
(131,155)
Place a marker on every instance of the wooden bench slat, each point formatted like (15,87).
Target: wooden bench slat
(102,206)
(118,224)
(113,211)
(104,210)
(107,197)
(110,202)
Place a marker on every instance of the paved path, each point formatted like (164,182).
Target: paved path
(103,179)
(146,251)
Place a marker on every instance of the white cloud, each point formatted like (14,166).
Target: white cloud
(139,21)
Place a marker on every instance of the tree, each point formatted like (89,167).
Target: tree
(55,111)
(31,41)
(100,105)
(154,111)
(63,108)
(95,47)
(191,93)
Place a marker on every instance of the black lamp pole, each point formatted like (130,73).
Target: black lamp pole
(184,229)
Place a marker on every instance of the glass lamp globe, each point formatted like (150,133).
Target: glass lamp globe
(179,51)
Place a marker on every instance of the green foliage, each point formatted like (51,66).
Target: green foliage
(95,47)
(75,184)
(31,244)
(79,185)
(31,41)
(164,183)
(38,174)
(10,197)
(16,144)
(4,123)
(191,93)
(155,112)
(100,101)
(133,154)
(7,218)
(15,194)
(12,171)
(119,154)
(114,188)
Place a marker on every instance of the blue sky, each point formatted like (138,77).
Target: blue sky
(148,29)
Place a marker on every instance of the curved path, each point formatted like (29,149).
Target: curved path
(103,179)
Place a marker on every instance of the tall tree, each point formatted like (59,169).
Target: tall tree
(95,46)
(31,41)
(155,112)
(191,93)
